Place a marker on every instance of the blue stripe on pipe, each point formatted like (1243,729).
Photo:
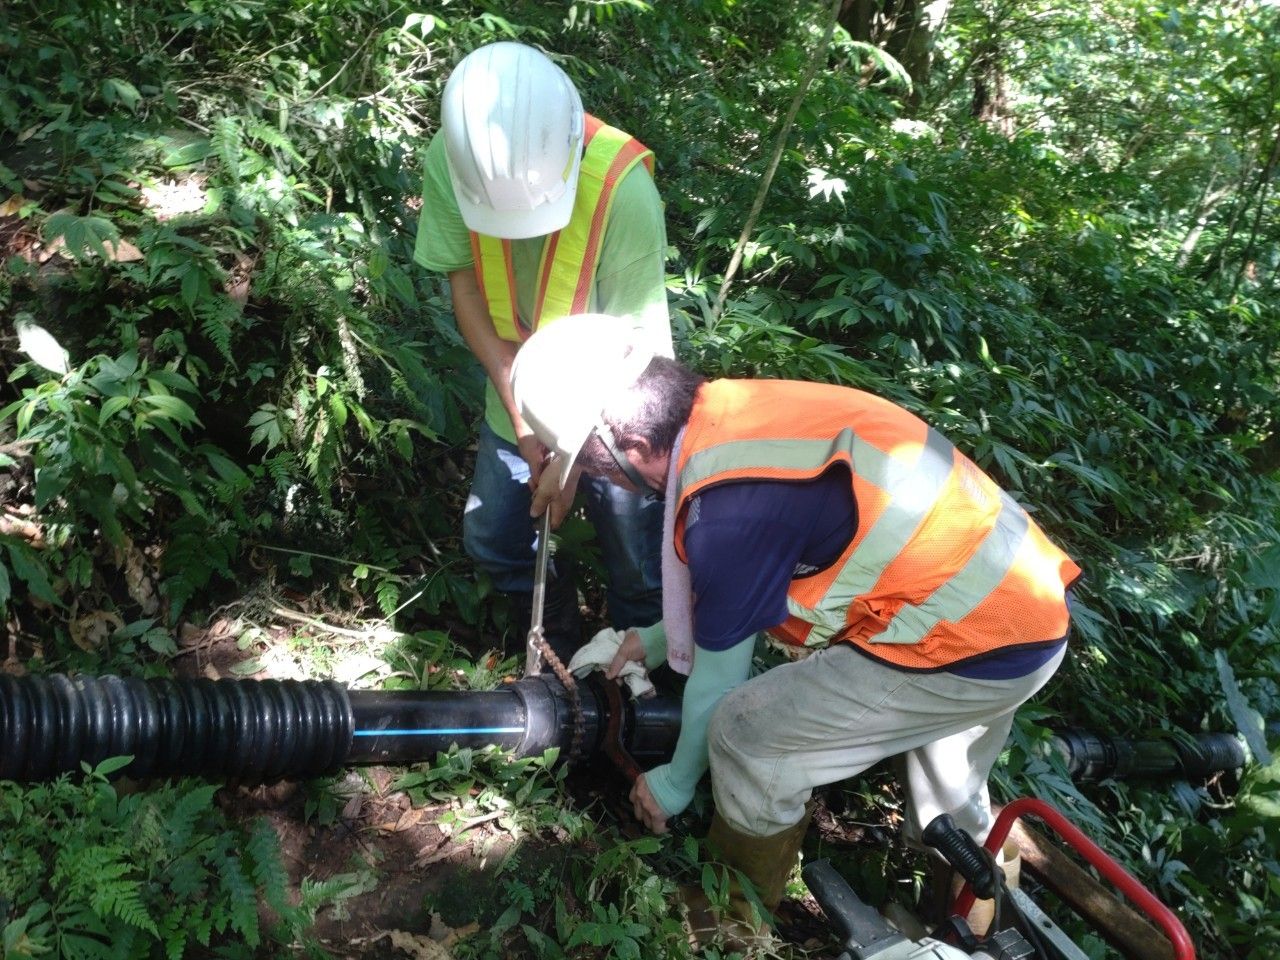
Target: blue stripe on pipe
(439,731)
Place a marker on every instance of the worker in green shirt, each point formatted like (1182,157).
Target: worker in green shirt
(536,210)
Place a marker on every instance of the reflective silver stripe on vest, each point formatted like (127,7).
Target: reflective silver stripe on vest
(768,454)
(912,486)
(913,489)
(971,584)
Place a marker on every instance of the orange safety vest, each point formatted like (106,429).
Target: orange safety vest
(944,566)
(566,274)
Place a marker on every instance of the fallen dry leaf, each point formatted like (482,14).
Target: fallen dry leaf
(418,946)
(121,251)
(141,587)
(46,252)
(171,198)
(238,281)
(443,852)
(92,630)
(446,935)
(12,665)
(15,526)
(353,667)
(410,818)
(353,807)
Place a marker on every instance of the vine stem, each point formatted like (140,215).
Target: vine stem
(802,87)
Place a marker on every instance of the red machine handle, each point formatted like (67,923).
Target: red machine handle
(1123,881)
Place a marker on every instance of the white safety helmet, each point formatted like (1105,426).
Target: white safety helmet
(513,129)
(566,375)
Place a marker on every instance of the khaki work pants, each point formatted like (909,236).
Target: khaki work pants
(835,713)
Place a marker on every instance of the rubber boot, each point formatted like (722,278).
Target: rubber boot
(766,862)
(561,617)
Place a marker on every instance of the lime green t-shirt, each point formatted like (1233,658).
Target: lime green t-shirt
(630,279)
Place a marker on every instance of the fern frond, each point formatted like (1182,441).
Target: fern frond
(315,894)
(280,467)
(122,899)
(242,899)
(92,864)
(266,134)
(150,835)
(263,851)
(188,875)
(181,822)
(201,924)
(217,322)
(227,142)
(173,928)
(388,592)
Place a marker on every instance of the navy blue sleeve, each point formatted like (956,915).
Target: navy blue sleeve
(746,541)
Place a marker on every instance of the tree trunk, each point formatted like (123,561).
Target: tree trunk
(990,98)
(902,28)
(994,22)
(1204,209)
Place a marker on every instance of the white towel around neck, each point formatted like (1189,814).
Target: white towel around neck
(677,587)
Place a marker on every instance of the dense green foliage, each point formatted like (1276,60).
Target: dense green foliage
(94,873)
(1059,244)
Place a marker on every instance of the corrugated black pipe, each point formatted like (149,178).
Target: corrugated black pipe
(262,731)
(237,729)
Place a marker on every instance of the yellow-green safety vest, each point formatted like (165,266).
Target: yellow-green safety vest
(570,256)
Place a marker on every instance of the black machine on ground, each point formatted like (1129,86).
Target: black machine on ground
(264,731)
(1020,931)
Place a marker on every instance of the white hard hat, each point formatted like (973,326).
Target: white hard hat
(566,375)
(513,129)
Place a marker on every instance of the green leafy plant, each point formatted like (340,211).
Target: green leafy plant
(93,872)
(107,439)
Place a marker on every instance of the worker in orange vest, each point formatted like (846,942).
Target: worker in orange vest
(536,210)
(929,604)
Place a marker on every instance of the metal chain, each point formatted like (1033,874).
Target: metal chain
(575,701)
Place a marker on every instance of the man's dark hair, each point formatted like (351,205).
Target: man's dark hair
(661,401)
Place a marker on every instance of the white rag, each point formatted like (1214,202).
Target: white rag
(677,587)
(599,652)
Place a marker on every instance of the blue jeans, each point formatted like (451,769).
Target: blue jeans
(499,535)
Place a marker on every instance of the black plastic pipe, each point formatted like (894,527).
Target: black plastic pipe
(528,717)
(262,731)
(1093,756)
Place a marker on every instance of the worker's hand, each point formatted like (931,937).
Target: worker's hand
(646,808)
(546,492)
(534,454)
(599,654)
(631,649)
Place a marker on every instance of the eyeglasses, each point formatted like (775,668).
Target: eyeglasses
(605,433)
